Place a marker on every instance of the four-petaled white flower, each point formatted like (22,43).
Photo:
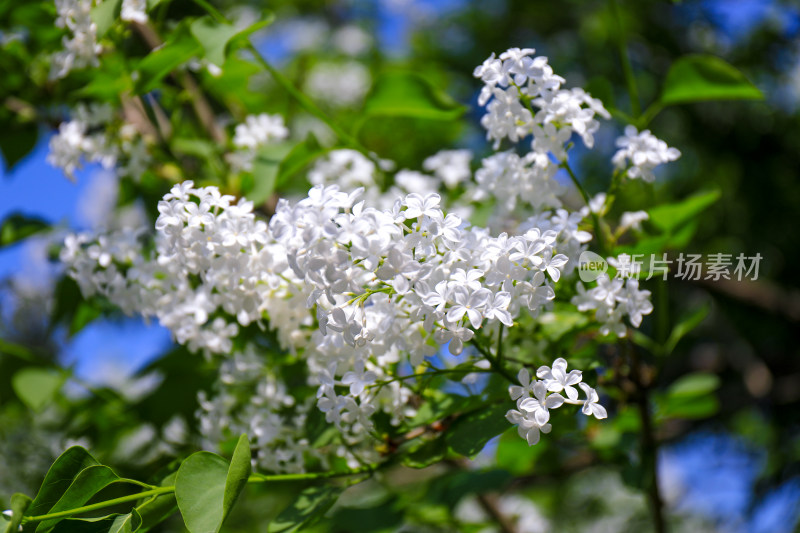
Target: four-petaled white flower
(358,378)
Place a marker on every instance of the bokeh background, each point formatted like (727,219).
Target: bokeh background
(732,466)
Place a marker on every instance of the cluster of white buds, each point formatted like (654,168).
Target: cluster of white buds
(535,398)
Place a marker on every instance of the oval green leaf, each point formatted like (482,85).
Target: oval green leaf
(697,78)
(37,387)
(206,487)
(58,479)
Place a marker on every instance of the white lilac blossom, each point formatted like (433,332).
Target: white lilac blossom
(80,47)
(359,279)
(525,97)
(536,397)
(612,299)
(134,11)
(641,152)
(633,220)
(256,131)
(338,84)
(450,166)
(89,137)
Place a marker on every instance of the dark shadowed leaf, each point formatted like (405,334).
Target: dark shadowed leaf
(309,507)
(471,432)
(16,227)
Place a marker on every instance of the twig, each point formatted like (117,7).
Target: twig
(200,105)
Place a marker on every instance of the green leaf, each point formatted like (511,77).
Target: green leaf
(84,314)
(19,504)
(113,523)
(16,142)
(471,432)
(697,78)
(429,452)
(238,473)
(37,387)
(162,61)
(684,326)
(126,523)
(105,14)
(215,37)
(16,227)
(206,487)
(405,94)
(86,484)
(514,454)
(670,217)
(309,507)
(58,479)
(298,158)
(695,384)
(265,171)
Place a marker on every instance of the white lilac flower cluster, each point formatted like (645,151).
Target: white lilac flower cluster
(88,137)
(134,11)
(256,131)
(359,280)
(525,98)
(535,398)
(612,300)
(80,48)
(338,84)
(250,398)
(641,152)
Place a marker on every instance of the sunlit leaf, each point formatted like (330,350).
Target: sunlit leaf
(37,387)
(695,78)
(669,217)
(104,14)
(207,486)
(405,94)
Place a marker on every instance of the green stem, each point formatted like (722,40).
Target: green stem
(496,366)
(155,492)
(500,345)
(304,101)
(307,104)
(100,505)
(627,69)
(598,229)
(258,478)
(438,372)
